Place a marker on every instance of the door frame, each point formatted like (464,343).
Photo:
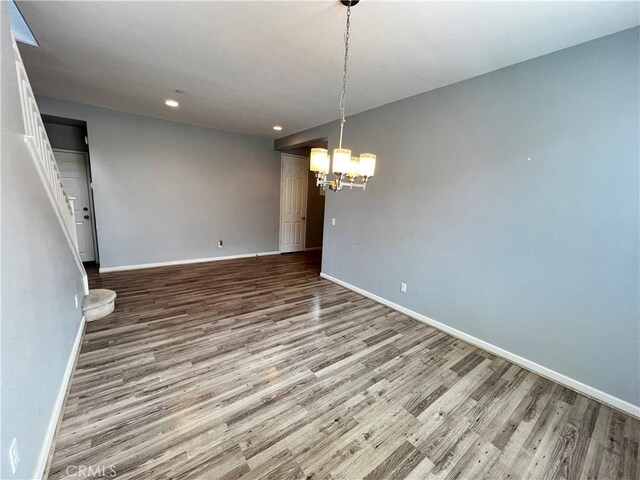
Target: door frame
(92,210)
(306,200)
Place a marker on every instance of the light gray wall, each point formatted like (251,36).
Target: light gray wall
(166,191)
(537,257)
(39,321)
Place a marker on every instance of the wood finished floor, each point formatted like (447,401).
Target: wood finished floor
(260,369)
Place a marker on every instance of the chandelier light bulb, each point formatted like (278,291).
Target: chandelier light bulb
(319,160)
(354,168)
(367,164)
(341,160)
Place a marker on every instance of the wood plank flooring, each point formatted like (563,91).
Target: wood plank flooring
(260,369)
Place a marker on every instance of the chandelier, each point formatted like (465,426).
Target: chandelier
(349,171)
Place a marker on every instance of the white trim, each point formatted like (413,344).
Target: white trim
(184,262)
(557,377)
(312,249)
(57,408)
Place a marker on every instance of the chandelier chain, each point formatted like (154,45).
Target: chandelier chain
(344,74)
(350,172)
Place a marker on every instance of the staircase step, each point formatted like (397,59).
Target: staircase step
(99,303)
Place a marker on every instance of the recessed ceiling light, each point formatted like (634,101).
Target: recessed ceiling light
(277,128)
(170,102)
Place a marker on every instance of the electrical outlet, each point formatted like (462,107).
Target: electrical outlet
(333,221)
(14,456)
(219,243)
(403,287)
(76,299)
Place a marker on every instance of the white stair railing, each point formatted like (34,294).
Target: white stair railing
(38,143)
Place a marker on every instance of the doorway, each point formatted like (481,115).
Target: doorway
(69,141)
(73,168)
(301,201)
(293,203)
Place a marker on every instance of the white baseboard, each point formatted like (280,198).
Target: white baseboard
(184,262)
(57,408)
(545,372)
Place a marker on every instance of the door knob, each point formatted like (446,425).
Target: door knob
(85,209)
(304,218)
(86,217)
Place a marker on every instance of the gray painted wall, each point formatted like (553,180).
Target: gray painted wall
(537,257)
(39,321)
(166,191)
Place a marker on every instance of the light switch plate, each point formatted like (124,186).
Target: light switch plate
(403,287)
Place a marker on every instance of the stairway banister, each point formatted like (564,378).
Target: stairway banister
(37,141)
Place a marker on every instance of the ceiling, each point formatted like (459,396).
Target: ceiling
(246,66)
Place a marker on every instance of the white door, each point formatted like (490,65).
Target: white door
(293,203)
(75,180)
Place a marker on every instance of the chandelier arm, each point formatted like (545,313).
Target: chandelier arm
(344,75)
